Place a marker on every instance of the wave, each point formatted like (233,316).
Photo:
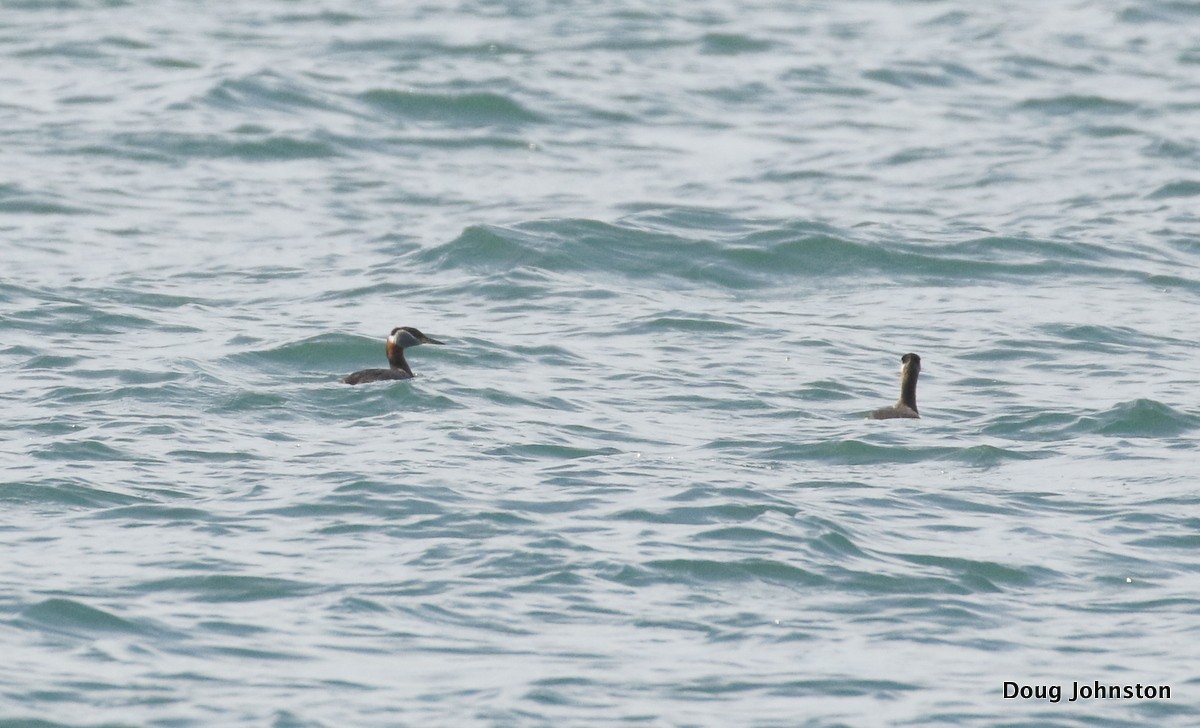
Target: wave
(1136,419)
(478,108)
(714,249)
(253,144)
(73,617)
(16,200)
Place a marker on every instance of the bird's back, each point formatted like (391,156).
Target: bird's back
(376,375)
(897,411)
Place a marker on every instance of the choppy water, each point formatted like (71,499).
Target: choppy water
(675,255)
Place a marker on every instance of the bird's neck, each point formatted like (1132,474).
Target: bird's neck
(908,389)
(395,355)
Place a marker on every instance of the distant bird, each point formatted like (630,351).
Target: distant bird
(400,338)
(910,369)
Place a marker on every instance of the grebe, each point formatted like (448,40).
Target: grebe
(401,337)
(910,368)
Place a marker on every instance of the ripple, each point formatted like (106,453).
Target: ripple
(166,146)
(64,492)
(73,617)
(1075,104)
(704,571)
(15,200)
(465,109)
(732,44)
(1185,188)
(227,587)
(265,90)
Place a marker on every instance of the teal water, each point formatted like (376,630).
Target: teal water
(675,256)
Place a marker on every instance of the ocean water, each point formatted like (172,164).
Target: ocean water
(675,255)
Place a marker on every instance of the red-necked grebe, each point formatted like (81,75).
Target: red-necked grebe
(400,338)
(910,369)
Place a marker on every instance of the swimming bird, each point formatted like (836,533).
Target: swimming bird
(910,368)
(400,338)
